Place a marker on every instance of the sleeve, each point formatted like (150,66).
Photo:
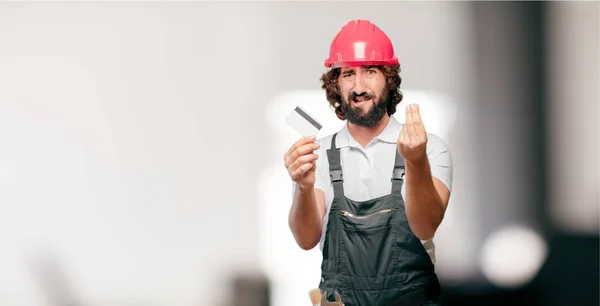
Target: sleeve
(319,172)
(440,160)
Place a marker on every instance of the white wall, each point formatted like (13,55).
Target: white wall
(129,147)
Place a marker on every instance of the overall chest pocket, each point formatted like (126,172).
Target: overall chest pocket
(367,243)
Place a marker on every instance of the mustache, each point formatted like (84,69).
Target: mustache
(364,95)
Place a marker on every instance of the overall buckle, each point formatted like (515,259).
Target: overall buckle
(336,176)
(398,174)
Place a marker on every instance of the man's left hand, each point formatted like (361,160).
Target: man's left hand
(412,141)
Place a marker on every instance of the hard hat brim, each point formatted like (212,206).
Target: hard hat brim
(344,64)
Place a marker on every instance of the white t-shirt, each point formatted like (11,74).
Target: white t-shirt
(370,170)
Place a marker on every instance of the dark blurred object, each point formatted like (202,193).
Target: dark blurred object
(250,290)
(571,273)
(569,277)
(487,295)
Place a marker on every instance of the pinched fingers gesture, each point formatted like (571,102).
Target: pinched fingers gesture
(412,141)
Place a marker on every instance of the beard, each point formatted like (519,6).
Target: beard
(372,116)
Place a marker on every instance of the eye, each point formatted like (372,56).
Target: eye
(347,75)
(371,71)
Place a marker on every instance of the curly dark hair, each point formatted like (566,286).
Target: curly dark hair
(393,80)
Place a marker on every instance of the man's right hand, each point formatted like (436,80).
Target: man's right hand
(300,161)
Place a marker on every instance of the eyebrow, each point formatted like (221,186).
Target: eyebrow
(351,70)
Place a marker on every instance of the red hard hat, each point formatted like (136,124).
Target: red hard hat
(361,43)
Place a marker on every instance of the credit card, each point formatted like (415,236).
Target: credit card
(303,123)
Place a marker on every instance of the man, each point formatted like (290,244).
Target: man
(373,194)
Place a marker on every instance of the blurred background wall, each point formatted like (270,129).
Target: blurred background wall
(140,141)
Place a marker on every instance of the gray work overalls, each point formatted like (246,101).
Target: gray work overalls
(370,254)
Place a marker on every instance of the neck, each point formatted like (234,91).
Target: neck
(364,135)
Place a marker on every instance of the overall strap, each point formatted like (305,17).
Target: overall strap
(335,168)
(398,174)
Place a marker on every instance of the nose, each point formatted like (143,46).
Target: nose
(359,84)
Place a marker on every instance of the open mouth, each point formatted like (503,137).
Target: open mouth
(360,100)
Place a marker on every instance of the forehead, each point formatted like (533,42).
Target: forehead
(347,69)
